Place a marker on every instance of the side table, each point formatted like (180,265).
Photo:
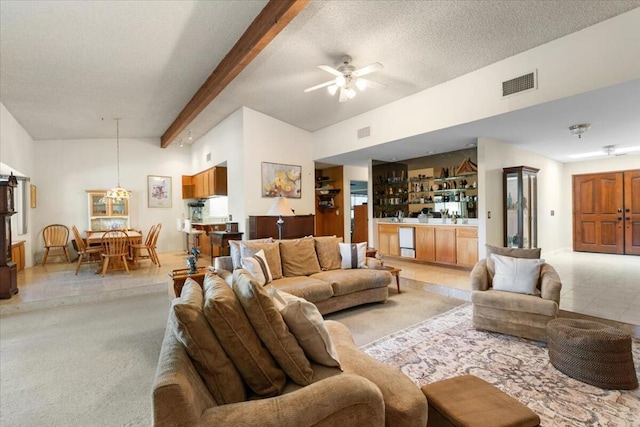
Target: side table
(394,271)
(181,275)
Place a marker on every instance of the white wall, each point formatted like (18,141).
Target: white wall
(602,55)
(17,154)
(65,169)
(493,156)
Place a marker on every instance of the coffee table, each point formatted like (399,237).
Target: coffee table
(394,271)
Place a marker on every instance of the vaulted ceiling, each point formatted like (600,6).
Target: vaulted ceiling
(68,67)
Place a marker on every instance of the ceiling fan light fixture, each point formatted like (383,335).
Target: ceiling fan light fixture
(351,93)
(341,81)
(361,84)
(579,129)
(332,89)
(609,149)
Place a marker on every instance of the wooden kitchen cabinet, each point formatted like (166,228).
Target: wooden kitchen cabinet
(425,243)
(445,244)
(466,246)
(188,187)
(388,240)
(199,185)
(208,183)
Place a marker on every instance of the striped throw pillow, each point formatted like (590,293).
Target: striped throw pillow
(353,255)
(258,267)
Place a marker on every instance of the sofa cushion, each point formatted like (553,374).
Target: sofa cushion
(306,287)
(345,282)
(271,327)
(307,324)
(194,333)
(353,255)
(239,340)
(299,257)
(257,266)
(234,249)
(519,275)
(271,253)
(328,252)
(499,303)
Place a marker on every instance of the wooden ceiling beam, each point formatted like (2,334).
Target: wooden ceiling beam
(275,16)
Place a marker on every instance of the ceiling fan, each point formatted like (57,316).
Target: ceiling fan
(348,78)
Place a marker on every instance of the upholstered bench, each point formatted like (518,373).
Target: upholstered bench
(592,352)
(470,401)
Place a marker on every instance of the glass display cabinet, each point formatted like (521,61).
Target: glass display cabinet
(520,207)
(106,214)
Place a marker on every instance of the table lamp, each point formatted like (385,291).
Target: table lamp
(280,207)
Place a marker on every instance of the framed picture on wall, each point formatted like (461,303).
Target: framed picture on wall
(281,180)
(159,191)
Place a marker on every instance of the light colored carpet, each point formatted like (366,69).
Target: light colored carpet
(447,346)
(92,362)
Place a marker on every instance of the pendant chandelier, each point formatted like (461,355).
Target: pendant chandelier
(118,193)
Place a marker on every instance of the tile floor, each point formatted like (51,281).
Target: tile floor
(600,285)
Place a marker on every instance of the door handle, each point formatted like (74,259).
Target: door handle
(619,210)
(627,219)
(626,210)
(619,218)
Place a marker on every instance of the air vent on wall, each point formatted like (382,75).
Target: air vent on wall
(519,84)
(364,132)
(208,157)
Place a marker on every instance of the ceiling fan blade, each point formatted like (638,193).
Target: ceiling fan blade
(368,69)
(320,86)
(343,95)
(330,70)
(372,84)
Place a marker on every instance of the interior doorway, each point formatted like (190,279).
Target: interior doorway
(359,214)
(606,212)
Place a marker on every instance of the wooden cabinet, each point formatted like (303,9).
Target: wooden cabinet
(105,213)
(208,183)
(294,226)
(445,242)
(426,243)
(466,246)
(330,209)
(388,240)
(17,254)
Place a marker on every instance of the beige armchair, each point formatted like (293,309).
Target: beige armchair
(509,312)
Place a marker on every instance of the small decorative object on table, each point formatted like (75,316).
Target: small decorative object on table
(192,260)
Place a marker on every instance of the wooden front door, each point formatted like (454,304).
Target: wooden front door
(632,212)
(597,213)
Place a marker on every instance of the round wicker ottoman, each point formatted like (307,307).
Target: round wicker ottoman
(592,352)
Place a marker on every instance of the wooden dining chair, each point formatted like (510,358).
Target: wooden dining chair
(138,248)
(154,244)
(85,254)
(56,236)
(115,245)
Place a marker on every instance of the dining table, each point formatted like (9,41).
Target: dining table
(135,237)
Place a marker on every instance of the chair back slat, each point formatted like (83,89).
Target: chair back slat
(156,234)
(55,235)
(115,243)
(149,240)
(79,240)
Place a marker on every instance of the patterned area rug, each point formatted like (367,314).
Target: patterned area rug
(447,345)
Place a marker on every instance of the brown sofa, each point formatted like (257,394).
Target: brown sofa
(363,392)
(310,268)
(514,313)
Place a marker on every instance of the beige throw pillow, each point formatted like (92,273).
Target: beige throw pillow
(328,252)
(299,257)
(239,340)
(306,324)
(271,252)
(258,267)
(193,331)
(354,255)
(271,328)
(234,249)
(519,275)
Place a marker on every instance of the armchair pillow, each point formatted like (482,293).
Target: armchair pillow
(271,328)
(194,333)
(354,255)
(258,267)
(527,253)
(239,340)
(234,249)
(307,324)
(271,253)
(519,275)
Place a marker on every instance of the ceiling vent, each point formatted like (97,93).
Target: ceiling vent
(364,132)
(520,84)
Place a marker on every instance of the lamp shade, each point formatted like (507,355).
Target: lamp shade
(280,207)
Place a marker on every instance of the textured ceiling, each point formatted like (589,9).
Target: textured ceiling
(66,65)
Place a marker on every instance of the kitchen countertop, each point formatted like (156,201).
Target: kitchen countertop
(208,223)
(472,222)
